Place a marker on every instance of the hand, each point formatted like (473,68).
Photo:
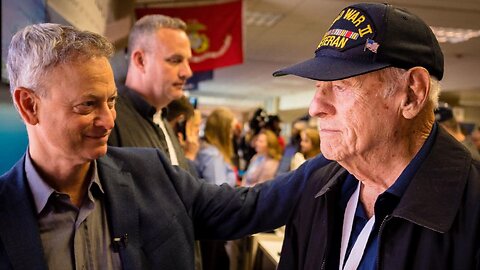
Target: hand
(190,145)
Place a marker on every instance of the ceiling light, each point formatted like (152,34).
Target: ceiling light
(255,18)
(454,35)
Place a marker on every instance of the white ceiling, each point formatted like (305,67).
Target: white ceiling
(294,38)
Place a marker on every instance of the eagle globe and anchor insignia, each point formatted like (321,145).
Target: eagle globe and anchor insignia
(199,41)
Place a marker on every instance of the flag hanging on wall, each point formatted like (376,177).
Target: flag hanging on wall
(215,32)
(197,77)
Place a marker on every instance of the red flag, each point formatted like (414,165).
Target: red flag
(215,31)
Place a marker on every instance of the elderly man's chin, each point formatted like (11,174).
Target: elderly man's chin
(330,156)
(331,153)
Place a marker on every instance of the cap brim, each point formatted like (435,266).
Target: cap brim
(329,69)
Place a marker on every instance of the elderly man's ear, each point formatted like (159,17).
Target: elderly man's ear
(416,92)
(27,105)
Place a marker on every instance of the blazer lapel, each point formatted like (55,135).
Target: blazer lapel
(18,223)
(122,211)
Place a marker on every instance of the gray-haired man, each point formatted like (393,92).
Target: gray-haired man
(73,203)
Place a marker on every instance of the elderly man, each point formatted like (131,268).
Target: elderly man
(73,203)
(400,192)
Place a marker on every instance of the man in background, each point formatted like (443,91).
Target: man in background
(444,115)
(158,55)
(476,138)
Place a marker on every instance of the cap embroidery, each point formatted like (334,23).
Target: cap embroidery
(350,25)
(343,33)
(371,45)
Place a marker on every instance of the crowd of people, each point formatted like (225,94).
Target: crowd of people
(119,177)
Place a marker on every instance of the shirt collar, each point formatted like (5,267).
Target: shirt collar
(96,179)
(41,191)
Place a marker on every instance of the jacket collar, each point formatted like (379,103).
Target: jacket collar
(138,102)
(434,194)
(18,223)
(123,211)
(335,180)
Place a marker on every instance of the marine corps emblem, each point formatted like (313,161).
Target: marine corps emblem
(199,41)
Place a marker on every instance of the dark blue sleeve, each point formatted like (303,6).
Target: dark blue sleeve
(222,212)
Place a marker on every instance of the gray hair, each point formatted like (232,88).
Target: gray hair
(37,48)
(394,76)
(149,25)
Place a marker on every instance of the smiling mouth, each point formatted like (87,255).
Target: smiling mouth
(97,137)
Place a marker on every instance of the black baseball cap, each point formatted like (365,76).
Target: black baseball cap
(371,36)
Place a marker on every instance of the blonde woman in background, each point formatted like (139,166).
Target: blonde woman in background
(309,147)
(214,159)
(214,165)
(265,162)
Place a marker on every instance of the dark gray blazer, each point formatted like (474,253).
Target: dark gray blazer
(161,208)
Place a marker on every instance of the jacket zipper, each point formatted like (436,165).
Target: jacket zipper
(387,217)
(326,247)
(324,257)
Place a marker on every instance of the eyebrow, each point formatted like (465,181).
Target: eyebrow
(175,55)
(115,92)
(92,95)
(178,55)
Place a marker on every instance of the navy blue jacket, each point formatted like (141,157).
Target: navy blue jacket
(436,224)
(161,208)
